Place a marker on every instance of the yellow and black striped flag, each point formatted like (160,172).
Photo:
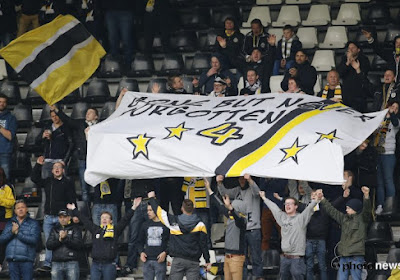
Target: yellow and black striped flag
(55,58)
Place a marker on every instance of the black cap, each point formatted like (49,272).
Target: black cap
(63,212)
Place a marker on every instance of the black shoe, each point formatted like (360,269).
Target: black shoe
(222,239)
(44,268)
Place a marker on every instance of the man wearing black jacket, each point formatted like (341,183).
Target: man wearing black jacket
(230,41)
(105,237)
(79,128)
(65,241)
(188,239)
(59,191)
(303,72)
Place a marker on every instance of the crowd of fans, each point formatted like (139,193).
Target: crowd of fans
(311,222)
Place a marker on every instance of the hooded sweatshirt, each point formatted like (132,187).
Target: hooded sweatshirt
(9,122)
(188,234)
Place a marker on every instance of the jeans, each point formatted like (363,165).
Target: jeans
(277,66)
(204,215)
(48,223)
(84,185)
(316,248)
(253,242)
(181,267)
(97,209)
(348,265)
(171,191)
(292,269)
(385,187)
(120,26)
(106,270)
(20,270)
(5,163)
(65,270)
(152,268)
(135,226)
(233,267)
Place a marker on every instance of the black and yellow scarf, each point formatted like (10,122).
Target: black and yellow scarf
(380,136)
(337,92)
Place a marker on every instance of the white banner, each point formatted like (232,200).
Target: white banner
(294,136)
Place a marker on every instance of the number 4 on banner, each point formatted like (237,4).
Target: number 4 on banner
(222,133)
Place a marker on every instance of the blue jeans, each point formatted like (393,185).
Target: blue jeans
(20,270)
(65,270)
(385,187)
(253,242)
(84,185)
(152,268)
(135,225)
(277,66)
(120,26)
(348,265)
(316,248)
(106,270)
(100,208)
(5,163)
(48,223)
(292,269)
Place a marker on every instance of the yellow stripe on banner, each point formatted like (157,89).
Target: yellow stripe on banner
(22,47)
(71,75)
(245,162)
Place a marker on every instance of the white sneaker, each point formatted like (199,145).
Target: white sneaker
(379,210)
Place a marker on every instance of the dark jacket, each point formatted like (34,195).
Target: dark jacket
(104,250)
(260,42)
(113,198)
(382,93)
(188,239)
(354,228)
(234,44)
(271,186)
(355,86)
(67,249)
(60,144)
(9,122)
(235,228)
(118,5)
(296,46)
(8,19)
(58,192)
(153,239)
(77,127)
(30,7)
(306,75)
(22,246)
(208,82)
(318,227)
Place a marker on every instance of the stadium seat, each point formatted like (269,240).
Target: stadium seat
(20,165)
(187,84)
(107,110)
(142,66)
(375,80)
(392,32)
(207,40)
(318,15)
(172,65)
(357,1)
(380,234)
(300,2)
(335,38)
(3,69)
(97,91)
(79,110)
(194,18)
(110,68)
(271,260)
(378,14)
(201,63)
(71,98)
(183,41)
(31,145)
(129,84)
(278,32)
(288,15)
(45,118)
(268,2)
(220,13)
(393,255)
(157,44)
(23,114)
(260,12)
(11,90)
(324,60)
(33,98)
(379,64)
(161,82)
(275,83)
(349,14)
(308,37)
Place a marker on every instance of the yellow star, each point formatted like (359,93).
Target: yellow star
(177,131)
(292,151)
(140,144)
(330,136)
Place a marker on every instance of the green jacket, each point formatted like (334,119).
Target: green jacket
(354,228)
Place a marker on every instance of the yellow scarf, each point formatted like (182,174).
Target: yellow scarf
(108,231)
(380,136)
(337,93)
(104,189)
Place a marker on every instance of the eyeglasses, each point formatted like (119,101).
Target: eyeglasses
(289,203)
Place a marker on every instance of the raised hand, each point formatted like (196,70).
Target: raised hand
(367,34)
(136,203)
(227,202)
(151,194)
(365,191)
(262,194)
(71,206)
(272,39)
